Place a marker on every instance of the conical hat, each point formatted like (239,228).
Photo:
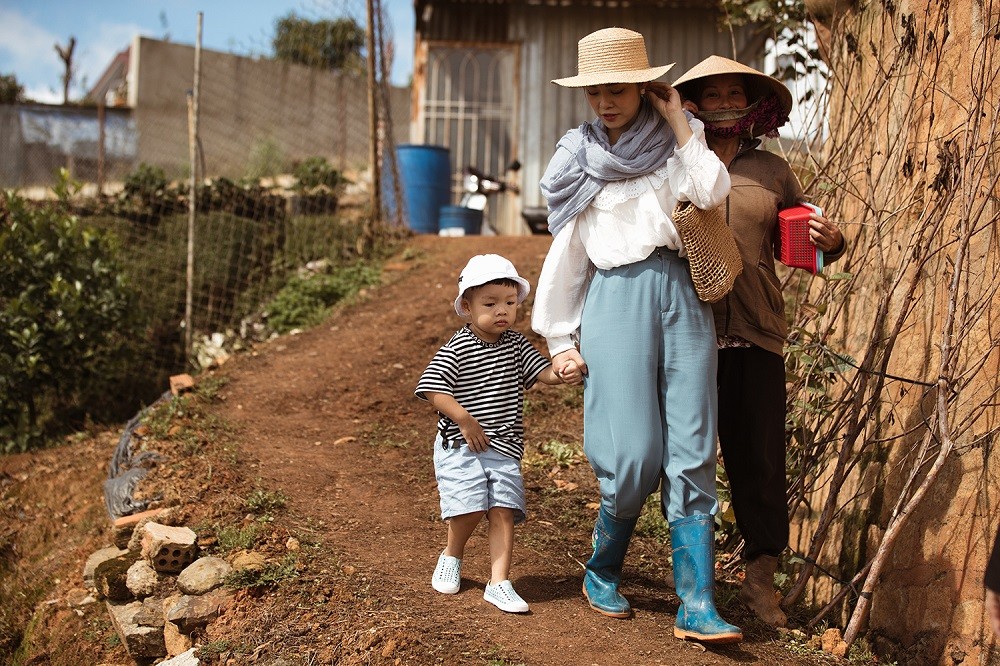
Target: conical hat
(612,55)
(760,83)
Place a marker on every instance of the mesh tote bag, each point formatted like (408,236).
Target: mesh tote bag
(711,249)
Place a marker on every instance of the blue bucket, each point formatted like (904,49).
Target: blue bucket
(425,172)
(460,221)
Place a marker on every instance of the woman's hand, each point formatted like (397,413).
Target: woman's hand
(667,102)
(824,233)
(569,364)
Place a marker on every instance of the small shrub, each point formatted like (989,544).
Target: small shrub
(238,538)
(651,523)
(307,301)
(269,575)
(563,454)
(265,501)
(66,314)
(316,172)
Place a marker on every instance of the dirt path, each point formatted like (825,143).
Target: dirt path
(331,420)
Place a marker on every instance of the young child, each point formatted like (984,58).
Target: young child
(476,382)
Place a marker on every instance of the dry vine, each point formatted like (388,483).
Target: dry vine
(894,361)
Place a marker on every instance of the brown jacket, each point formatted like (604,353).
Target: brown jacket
(762,184)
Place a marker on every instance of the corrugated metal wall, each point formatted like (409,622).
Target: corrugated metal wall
(547,35)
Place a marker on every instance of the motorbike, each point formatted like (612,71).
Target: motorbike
(478,187)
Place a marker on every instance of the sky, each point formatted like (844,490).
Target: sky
(30,29)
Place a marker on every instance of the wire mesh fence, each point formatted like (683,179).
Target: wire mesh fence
(273,151)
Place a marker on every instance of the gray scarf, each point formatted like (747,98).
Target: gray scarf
(585,162)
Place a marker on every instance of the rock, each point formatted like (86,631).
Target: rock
(292,544)
(176,642)
(834,643)
(151,614)
(142,643)
(205,574)
(141,580)
(110,577)
(97,557)
(249,559)
(189,612)
(186,658)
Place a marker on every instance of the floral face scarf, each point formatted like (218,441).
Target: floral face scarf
(764,116)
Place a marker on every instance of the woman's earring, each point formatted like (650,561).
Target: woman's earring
(642,91)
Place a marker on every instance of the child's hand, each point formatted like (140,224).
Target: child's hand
(570,373)
(474,435)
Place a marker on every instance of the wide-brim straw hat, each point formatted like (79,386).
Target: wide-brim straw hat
(612,55)
(760,84)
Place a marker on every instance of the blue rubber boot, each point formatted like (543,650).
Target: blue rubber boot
(604,569)
(694,577)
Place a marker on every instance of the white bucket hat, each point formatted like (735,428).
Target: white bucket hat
(484,268)
(612,55)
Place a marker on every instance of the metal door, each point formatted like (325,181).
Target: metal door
(469,106)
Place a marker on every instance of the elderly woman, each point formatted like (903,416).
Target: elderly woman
(737,104)
(615,290)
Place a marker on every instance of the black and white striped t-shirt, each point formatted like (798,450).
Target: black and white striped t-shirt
(488,380)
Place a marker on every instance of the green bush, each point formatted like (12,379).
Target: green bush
(307,300)
(65,315)
(316,172)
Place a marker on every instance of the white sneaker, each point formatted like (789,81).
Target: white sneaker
(447,577)
(503,596)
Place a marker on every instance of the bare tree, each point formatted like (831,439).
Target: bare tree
(66,55)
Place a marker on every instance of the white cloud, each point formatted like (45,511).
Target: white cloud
(27,50)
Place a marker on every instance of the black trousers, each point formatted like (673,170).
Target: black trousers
(752,436)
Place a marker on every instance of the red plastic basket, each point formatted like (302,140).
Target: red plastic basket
(792,246)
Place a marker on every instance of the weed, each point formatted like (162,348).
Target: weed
(213,649)
(262,502)
(564,455)
(238,538)
(495,658)
(160,419)
(208,387)
(651,522)
(269,575)
(572,397)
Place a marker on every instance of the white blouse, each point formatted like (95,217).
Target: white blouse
(624,223)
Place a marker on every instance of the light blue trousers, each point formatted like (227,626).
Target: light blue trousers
(650,398)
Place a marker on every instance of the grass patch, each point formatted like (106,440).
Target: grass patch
(238,538)
(651,522)
(270,575)
(264,502)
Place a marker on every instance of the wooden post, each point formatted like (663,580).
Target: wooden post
(376,199)
(192,197)
(100,147)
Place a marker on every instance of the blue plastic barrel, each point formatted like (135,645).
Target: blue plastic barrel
(460,221)
(425,172)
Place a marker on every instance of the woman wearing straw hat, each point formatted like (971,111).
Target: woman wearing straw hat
(737,104)
(615,283)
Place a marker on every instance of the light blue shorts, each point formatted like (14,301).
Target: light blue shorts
(470,482)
